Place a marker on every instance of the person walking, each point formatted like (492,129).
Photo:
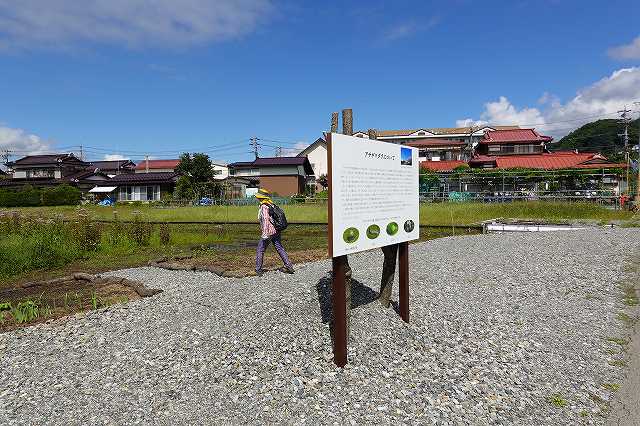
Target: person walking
(269,233)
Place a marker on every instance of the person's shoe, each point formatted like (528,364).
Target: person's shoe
(286,269)
(260,272)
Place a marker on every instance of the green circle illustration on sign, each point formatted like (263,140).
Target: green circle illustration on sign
(373,231)
(351,235)
(392,228)
(408,226)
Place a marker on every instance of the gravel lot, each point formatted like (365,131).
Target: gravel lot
(501,326)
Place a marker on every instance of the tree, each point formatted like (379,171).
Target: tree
(184,189)
(196,166)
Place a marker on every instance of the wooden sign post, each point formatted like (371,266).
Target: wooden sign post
(373,203)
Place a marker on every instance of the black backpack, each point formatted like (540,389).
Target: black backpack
(278,218)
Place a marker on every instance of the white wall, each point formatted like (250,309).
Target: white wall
(220,172)
(318,159)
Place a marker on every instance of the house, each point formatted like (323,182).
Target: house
(44,171)
(317,155)
(114,167)
(157,166)
(559,160)
(283,176)
(438,143)
(442,166)
(512,142)
(235,187)
(150,186)
(220,169)
(53,166)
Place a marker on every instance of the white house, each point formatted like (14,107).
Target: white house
(317,155)
(220,169)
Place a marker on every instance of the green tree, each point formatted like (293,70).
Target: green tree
(184,188)
(196,166)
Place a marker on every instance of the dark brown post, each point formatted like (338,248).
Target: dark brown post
(373,134)
(403,257)
(347,122)
(334,122)
(339,300)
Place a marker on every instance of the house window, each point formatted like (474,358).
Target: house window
(126,193)
(217,172)
(40,173)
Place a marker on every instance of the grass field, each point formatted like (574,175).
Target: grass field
(438,214)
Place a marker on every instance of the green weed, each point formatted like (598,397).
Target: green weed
(611,386)
(557,400)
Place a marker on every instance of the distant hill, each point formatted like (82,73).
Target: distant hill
(599,136)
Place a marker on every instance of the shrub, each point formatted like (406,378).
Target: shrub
(165,234)
(63,195)
(26,197)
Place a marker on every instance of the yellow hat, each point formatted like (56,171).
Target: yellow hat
(263,194)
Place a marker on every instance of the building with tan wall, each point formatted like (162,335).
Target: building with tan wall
(284,176)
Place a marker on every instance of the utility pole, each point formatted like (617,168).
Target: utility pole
(81,153)
(146,164)
(254,145)
(625,120)
(278,151)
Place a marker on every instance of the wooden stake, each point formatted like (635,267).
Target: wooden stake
(403,255)
(340,313)
(347,122)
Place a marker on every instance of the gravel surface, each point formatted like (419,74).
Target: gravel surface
(506,329)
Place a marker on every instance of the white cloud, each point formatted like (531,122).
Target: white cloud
(470,122)
(133,23)
(114,157)
(600,100)
(21,142)
(297,149)
(626,51)
(408,29)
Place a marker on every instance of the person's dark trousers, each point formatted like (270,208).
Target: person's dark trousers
(277,243)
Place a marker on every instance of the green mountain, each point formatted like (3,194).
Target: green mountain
(599,136)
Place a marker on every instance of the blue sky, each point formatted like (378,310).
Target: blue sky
(131,77)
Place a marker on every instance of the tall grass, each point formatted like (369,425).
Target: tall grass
(28,244)
(462,213)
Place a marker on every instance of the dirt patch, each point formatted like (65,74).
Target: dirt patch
(35,302)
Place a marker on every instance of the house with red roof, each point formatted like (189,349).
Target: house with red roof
(157,166)
(560,160)
(512,142)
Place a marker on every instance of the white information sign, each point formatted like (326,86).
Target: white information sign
(374,193)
